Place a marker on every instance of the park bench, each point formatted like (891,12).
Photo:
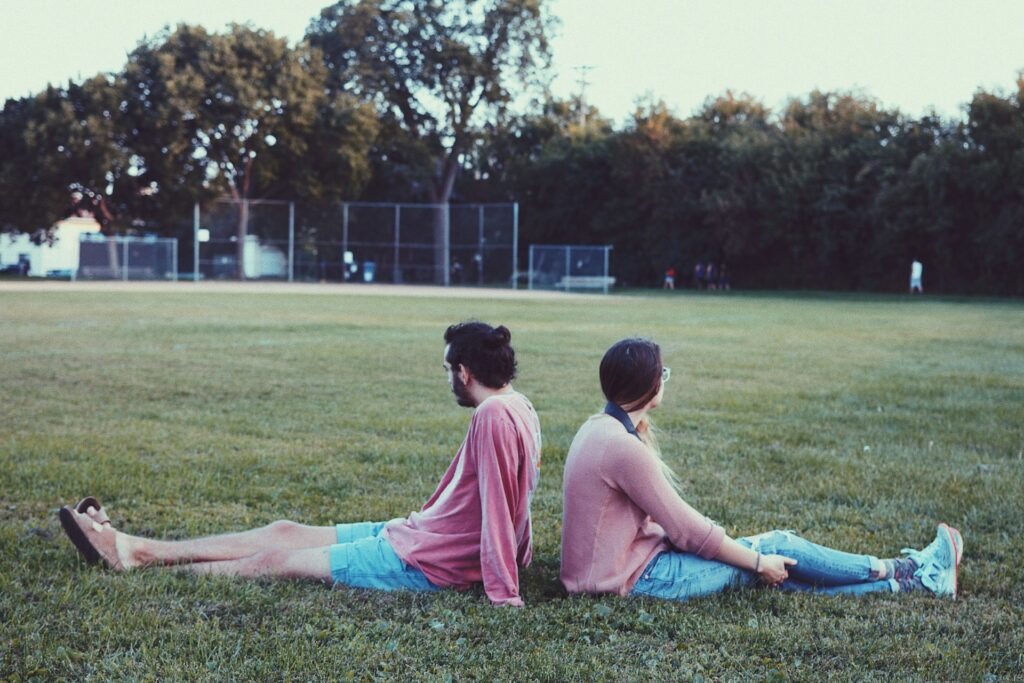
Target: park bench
(586,282)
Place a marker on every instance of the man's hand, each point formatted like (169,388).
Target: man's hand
(773,569)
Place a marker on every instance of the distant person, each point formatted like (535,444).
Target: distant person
(456,272)
(474,528)
(723,278)
(709,276)
(698,276)
(670,279)
(916,271)
(627,531)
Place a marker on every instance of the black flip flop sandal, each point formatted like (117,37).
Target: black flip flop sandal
(74,532)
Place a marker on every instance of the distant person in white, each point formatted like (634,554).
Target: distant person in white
(915,277)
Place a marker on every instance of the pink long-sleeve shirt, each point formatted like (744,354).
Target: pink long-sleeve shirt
(476,526)
(614,491)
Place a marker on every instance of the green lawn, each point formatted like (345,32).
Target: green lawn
(861,422)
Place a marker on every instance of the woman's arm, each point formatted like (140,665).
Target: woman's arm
(771,568)
(640,477)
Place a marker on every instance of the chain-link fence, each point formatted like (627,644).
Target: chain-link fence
(248,239)
(357,241)
(124,257)
(569,267)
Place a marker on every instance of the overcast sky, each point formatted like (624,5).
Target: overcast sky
(911,54)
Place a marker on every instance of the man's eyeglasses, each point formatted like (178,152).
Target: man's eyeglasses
(666,374)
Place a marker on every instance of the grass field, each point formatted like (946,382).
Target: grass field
(859,421)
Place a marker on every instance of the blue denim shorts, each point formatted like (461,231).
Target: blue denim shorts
(362,558)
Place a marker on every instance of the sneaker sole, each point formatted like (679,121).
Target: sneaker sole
(956,540)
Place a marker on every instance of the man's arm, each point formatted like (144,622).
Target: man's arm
(497,468)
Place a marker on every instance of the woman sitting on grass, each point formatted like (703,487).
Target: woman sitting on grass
(626,530)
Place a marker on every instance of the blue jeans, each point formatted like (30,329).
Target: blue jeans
(362,558)
(681,576)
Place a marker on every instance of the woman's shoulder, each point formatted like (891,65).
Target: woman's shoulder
(603,434)
(599,427)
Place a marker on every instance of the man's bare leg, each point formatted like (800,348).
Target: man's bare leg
(135,551)
(298,563)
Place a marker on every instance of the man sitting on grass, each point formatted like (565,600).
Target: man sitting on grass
(476,526)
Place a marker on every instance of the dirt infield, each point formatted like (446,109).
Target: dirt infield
(221,287)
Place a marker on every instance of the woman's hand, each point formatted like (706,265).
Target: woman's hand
(773,568)
(770,568)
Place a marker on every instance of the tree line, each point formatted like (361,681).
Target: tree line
(833,192)
(415,100)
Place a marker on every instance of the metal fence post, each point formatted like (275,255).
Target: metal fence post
(568,262)
(344,242)
(291,241)
(515,248)
(606,250)
(195,242)
(174,260)
(396,274)
(480,246)
(124,258)
(240,249)
(447,244)
(529,273)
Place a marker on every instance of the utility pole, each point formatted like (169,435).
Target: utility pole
(582,81)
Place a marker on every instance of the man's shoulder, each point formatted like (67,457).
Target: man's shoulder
(511,410)
(504,404)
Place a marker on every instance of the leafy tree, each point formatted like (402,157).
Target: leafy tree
(61,139)
(557,169)
(398,96)
(505,155)
(734,139)
(438,70)
(18,177)
(242,114)
(829,145)
(992,235)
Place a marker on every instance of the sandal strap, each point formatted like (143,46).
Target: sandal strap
(90,502)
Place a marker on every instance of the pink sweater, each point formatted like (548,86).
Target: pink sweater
(476,526)
(614,492)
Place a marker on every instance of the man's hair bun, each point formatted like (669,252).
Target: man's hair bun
(501,336)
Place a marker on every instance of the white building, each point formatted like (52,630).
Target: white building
(58,258)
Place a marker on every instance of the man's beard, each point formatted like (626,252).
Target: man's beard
(462,396)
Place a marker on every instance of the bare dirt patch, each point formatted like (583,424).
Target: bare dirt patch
(292,288)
